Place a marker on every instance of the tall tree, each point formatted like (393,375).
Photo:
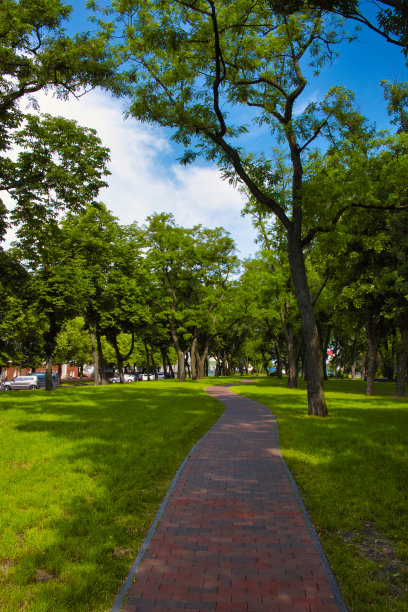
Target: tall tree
(192,269)
(36,54)
(60,167)
(206,69)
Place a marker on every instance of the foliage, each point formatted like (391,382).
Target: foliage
(36,54)
(60,167)
(192,270)
(390,20)
(73,344)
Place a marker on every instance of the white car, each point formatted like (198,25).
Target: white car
(21,382)
(147,377)
(128,378)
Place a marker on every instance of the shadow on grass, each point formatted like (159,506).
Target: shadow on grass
(352,471)
(98,462)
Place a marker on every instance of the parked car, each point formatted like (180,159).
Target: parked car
(21,382)
(128,378)
(160,375)
(41,379)
(146,377)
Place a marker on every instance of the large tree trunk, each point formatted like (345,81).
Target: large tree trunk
(373,342)
(312,347)
(402,361)
(194,359)
(225,365)
(201,360)
(48,374)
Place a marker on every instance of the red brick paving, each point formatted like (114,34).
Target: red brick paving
(233,537)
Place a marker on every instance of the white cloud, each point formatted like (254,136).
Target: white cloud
(145,176)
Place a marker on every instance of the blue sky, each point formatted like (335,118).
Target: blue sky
(145,174)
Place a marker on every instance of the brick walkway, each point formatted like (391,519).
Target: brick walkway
(233,535)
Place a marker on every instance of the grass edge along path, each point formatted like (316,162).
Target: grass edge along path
(83,473)
(352,472)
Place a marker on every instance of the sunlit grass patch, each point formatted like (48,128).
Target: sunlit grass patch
(352,471)
(83,471)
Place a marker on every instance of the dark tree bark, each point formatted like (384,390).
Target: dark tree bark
(313,352)
(402,360)
(194,359)
(373,341)
(101,360)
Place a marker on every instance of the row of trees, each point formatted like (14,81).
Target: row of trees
(86,288)
(205,69)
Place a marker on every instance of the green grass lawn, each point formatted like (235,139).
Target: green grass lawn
(82,473)
(352,471)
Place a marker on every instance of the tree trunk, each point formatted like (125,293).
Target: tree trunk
(119,359)
(181,362)
(147,358)
(153,362)
(312,347)
(194,359)
(95,356)
(354,359)
(218,365)
(278,358)
(163,354)
(50,339)
(373,344)
(48,374)
(246,365)
(225,365)
(170,368)
(325,347)
(101,360)
(187,365)
(292,357)
(201,360)
(402,360)
(181,366)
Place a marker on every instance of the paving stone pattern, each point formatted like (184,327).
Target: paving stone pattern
(233,537)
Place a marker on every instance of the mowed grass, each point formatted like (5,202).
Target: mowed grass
(82,474)
(352,471)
